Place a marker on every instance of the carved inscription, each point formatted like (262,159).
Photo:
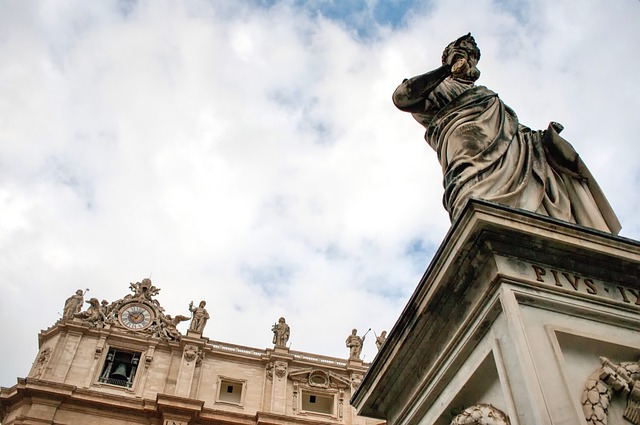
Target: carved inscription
(586,285)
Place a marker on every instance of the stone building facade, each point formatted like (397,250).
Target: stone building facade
(125,363)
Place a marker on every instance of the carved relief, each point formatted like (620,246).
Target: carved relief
(319,378)
(93,314)
(296,389)
(143,291)
(148,357)
(356,379)
(280,368)
(611,377)
(41,362)
(482,414)
(190,353)
(138,313)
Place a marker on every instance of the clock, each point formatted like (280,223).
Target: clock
(136,316)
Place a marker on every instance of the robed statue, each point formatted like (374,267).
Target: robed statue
(199,316)
(281,332)
(486,153)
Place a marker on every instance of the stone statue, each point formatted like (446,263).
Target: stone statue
(380,339)
(199,318)
(486,153)
(166,327)
(354,343)
(144,290)
(73,305)
(281,333)
(93,315)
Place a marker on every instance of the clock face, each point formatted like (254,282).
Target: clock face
(136,316)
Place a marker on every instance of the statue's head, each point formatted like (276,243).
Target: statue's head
(354,331)
(79,292)
(464,47)
(281,320)
(202,304)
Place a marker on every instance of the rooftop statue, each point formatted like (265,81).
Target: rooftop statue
(380,339)
(73,304)
(92,315)
(354,344)
(199,316)
(281,332)
(486,153)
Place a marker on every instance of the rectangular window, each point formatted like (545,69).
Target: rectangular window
(230,391)
(120,368)
(319,403)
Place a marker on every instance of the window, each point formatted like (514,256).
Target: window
(230,391)
(119,368)
(319,403)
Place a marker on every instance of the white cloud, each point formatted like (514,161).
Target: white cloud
(251,156)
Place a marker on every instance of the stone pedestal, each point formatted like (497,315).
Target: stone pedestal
(516,311)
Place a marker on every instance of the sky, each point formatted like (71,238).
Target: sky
(247,152)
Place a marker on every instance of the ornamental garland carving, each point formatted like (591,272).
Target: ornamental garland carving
(622,378)
(481,414)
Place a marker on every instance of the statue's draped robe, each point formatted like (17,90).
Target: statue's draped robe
(486,153)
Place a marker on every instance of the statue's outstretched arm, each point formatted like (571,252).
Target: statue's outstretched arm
(412,93)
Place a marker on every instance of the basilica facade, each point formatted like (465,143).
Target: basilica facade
(125,362)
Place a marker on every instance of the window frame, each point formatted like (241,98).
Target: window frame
(308,392)
(223,382)
(136,364)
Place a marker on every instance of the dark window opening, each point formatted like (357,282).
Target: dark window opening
(229,388)
(120,368)
(312,399)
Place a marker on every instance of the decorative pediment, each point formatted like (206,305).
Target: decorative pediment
(319,378)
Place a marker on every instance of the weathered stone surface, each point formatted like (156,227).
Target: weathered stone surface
(514,310)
